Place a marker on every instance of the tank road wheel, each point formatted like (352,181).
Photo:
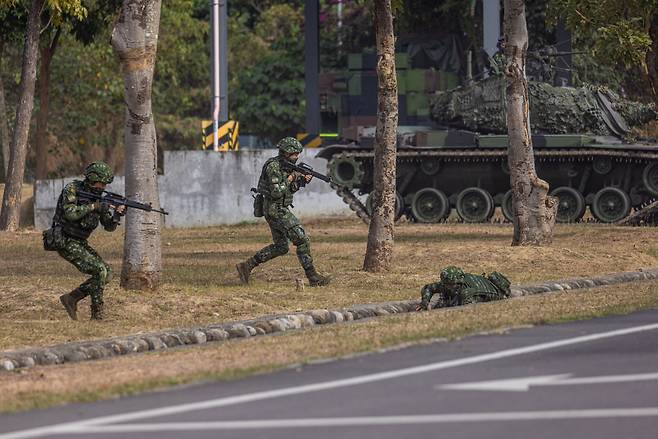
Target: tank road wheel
(475,205)
(602,165)
(429,166)
(571,205)
(650,178)
(430,205)
(611,204)
(346,171)
(507,207)
(399,205)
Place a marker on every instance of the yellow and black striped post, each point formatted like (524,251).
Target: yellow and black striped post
(309,140)
(227,135)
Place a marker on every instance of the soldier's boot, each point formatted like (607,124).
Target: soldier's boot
(244,269)
(97,312)
(70,302)
(315,279)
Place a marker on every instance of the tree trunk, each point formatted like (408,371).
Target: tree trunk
(135,39)
(379,251)
(47,53)
(534,210)
(4,126)
(652,56)
(11,200)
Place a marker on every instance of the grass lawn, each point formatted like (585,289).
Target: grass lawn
(201,286)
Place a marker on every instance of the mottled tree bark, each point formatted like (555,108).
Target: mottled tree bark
(4,125)
(43,87)
(11,199)
(135,39)
(379,252)
(534,210)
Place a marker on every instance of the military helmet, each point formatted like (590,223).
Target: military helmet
(289,145)
(452,274)
(99,172)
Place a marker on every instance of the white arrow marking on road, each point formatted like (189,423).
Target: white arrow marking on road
(523,384)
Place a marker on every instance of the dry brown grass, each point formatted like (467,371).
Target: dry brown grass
(49,385)
(201,286)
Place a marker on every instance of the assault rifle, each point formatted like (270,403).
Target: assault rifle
(117,200)
(305,169)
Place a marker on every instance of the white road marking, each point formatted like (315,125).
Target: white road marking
(370,421)
(296,390)
(523,384)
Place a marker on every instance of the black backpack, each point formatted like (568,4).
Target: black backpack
(500,281)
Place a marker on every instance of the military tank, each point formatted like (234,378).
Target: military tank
(582,143)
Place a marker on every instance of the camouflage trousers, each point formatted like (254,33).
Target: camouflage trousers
(79,253)
(285,227)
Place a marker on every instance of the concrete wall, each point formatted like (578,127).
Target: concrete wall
(205,188)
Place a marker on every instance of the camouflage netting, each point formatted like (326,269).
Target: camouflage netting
(553,110)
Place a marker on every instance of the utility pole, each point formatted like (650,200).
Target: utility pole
(312,66)
(219,64)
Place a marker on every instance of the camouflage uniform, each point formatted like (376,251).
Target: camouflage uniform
(458,288)
(277,191)
(76,220)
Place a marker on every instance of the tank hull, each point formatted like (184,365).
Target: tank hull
(612,179)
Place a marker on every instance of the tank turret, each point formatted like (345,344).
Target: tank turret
(480,107)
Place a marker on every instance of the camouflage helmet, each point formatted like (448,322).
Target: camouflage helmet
(99,172)
(289,145)
(452,274)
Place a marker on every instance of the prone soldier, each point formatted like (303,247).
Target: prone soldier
(458,288)
(74,221)
(276,186)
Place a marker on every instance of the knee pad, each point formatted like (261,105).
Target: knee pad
(110,274)
(103,274)
(298,237)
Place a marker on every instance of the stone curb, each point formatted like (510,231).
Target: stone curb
(155,341)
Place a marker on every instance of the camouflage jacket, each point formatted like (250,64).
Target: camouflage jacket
(274,185)
(473,288)
(77,217)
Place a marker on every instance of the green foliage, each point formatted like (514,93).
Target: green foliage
(615,31)
(269,99)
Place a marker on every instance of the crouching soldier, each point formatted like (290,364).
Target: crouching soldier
(74,221)
(458,288)
(276,185)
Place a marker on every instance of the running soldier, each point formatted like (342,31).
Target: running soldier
(276,186)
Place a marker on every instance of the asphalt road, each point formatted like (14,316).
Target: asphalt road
(590,379)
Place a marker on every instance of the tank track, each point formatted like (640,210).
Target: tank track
(352,202)
(648,214)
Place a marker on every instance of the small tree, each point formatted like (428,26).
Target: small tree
(11,199)
(379,252)
(4,126)
(534,210)
(135,39)
(47,50)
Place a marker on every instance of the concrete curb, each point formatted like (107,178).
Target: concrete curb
(155,341)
